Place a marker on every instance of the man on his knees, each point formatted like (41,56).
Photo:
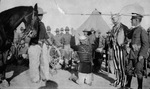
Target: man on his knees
(84,51)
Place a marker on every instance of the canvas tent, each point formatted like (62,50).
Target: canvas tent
(95,21)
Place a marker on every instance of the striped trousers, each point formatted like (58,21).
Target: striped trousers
(119,63)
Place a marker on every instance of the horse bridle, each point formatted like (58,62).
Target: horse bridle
(30,27)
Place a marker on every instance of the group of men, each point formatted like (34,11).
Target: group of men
(128,50)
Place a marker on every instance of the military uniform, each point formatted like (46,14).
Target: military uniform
(66,42)
(57,38)
(51,36)
(139,47)
(99,53)
(148,59)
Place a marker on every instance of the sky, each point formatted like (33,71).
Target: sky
(55,19)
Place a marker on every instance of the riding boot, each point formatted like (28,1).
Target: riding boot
(140,83)
(128,83)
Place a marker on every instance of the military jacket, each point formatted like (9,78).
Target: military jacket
(139,43)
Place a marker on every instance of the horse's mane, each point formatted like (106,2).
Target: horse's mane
(18,8)
(11,18)
(9,12)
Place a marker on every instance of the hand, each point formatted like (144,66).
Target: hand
(22,42)
(140,58)
(128,50)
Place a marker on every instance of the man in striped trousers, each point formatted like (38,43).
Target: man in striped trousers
(119,34)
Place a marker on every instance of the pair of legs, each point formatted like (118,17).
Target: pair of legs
(84,78)
(98,61)
(136,67)
(38,63)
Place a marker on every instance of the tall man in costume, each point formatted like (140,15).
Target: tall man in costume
(139,47)
(120,34)
(38,65)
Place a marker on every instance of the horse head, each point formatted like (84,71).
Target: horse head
(31,21)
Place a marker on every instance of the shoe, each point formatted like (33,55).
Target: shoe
(148,74)
(5,83)
(90,84)
(115,84)
(100,71)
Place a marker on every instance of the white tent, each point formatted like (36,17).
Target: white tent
(95,21)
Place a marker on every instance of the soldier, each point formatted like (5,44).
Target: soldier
(57,38)
(66,42)
(38,65)
(61,31)
(51,36)
(139,47)
(148,59)
(99,53)
(92,36)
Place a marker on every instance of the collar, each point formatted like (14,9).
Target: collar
(136,26)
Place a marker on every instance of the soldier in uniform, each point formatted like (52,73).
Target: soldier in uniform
(148,59)
(99,53)
(38,65)
(66,42)
(57,38)
(51,36)
(92,36)
(139,47)
(61,31)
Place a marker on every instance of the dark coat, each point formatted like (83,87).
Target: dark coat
(140,40)
(125,29)
(84,52)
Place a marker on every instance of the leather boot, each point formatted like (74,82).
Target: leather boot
(140,83)
(129,78)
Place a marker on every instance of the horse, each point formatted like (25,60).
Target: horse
(9,20)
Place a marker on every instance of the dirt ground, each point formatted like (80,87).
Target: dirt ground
(19,79)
